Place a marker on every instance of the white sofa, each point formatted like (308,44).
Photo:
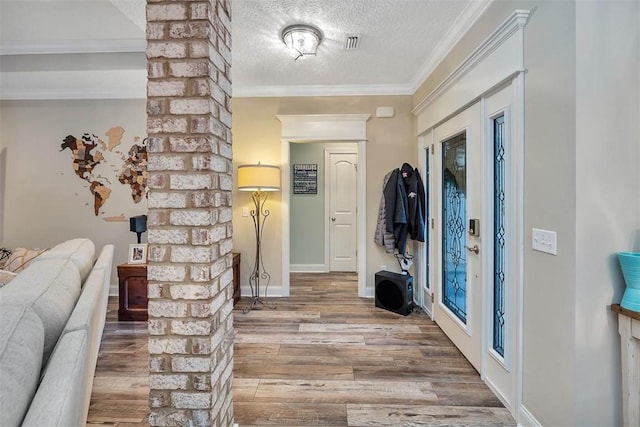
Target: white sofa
(52,316)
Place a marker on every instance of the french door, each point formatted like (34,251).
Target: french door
(459,284)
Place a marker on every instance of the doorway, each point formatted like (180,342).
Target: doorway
(459,292)
(472,256)
(349,128)
(323,207)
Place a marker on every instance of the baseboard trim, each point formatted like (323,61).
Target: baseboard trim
(272,291)
(113,290)
(526,419)
(507,404)
(308,268)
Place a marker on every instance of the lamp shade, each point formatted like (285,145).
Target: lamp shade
(258,178)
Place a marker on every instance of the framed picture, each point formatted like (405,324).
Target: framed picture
(138,253)
(305,179)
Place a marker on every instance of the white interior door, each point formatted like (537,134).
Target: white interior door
(342,190)
(458,300)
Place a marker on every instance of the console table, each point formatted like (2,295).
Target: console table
(629,329)
(132,290)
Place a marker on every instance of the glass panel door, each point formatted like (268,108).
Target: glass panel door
(459,283)
(454,208)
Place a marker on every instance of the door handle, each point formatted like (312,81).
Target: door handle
(475,249)
(333,219)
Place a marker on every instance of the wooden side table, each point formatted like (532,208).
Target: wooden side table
(133,297)
(236,277)
(629,329)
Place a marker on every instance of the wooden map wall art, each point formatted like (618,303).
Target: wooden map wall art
(95,161)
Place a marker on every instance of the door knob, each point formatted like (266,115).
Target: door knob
(333,219)
(475,249)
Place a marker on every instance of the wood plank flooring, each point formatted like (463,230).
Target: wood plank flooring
(323,357)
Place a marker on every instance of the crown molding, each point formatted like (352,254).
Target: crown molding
(514,23)
(319,90)
(96,84)
(72,46)
(465,20)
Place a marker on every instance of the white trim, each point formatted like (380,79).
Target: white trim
(507,404)
(325,127)
(285,191)
(526,418)
(94,84)
(517,133)
(488,118)
(421,268)
(73,46)
(308,268)
(463,22)
(498,60)
(272,291)
(503,34)
(240,91)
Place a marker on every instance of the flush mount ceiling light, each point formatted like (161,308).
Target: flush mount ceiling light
(302,39)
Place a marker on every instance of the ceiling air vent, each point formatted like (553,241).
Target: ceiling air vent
(351,41)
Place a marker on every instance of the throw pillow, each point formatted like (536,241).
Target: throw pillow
(5,253)
(20,258)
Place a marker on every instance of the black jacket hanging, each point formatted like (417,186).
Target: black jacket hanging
(404,206)
(415,201)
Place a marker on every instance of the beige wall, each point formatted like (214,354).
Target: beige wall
(45,202)
(256,137)
(607,194)
(582,156)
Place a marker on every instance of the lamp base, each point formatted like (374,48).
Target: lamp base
(256,303)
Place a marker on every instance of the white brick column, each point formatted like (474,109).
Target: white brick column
(189,269)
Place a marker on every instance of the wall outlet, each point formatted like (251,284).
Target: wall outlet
(383,267)
(245,211)
(544,241)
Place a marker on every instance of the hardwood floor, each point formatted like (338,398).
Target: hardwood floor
(323,357)
(120,394)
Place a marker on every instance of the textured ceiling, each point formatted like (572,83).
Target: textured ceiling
(401,40)
(397,38)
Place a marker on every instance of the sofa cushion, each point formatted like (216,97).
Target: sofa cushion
(20,258)
(81,252)
(21,345)
(60,399)
(6,277)
(51,288)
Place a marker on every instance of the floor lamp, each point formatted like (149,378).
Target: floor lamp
(259,179)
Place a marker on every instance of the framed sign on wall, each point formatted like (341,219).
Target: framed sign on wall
(305,178)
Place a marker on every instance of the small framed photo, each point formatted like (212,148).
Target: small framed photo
(138,253)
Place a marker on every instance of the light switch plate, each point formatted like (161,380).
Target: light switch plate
(544,241)
(245,211)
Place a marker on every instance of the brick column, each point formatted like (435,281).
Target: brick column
(189,269)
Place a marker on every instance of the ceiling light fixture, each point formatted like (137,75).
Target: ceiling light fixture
(302,40)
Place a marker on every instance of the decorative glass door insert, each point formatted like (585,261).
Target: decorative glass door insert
(454,219)
(499,235)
